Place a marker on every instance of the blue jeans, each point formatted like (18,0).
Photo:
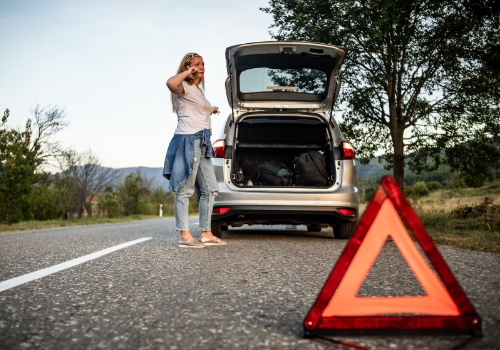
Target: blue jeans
(203,174)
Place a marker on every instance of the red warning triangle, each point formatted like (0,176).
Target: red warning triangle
(445,306)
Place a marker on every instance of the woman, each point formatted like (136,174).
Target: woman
(187,163)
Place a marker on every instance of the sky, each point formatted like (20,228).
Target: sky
(106,64)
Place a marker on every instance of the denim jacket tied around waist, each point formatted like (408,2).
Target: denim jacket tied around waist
(180,156)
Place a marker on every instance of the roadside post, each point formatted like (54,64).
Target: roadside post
(445,309)
(161,210)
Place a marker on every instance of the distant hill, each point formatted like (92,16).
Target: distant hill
(154,174)
(370,174)
(374,168)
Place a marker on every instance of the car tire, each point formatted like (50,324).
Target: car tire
(343,230)
(313,228)
(216,228)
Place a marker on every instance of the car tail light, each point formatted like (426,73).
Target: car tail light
(346,211)
(219,147)
(220,210)
(347,150)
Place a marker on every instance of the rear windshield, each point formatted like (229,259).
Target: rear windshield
(304,80)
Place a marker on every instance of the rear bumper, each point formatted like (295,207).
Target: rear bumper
(283,214)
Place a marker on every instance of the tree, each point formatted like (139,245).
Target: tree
(87,178)
(22,157)
(136,191)
(17,168)
(47,200)
(110,203)
(420,76)
(49,120)
(480,165)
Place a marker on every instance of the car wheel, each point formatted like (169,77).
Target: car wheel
(216,228)
(313,228)
(343,230)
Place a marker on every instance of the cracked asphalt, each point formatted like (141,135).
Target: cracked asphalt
(251,294)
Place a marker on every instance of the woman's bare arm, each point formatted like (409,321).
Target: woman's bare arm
(174,83)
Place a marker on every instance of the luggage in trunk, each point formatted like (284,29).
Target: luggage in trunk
(280,140)
(273,173)
(310,169)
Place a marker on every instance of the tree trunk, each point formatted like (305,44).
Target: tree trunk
(89,211)
(88,208)
(81,204)
(399,158)
(396,127)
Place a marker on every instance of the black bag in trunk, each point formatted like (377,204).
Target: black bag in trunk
(250,169)
(273,173)
(310,169)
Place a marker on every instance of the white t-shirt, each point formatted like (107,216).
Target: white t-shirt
(193,110)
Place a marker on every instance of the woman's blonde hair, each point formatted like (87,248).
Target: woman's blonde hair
(183,67)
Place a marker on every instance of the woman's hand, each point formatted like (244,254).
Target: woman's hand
(192,72)
(174,84)
(215,110)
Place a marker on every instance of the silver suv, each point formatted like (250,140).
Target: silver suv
(282,95)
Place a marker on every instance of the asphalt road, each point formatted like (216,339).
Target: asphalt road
(251,294)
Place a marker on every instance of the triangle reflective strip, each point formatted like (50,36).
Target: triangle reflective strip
(388,224)
(444,307)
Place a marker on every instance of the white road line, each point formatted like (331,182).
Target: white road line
(14,282)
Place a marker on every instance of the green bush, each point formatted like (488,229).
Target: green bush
(420,189)
(17,172)
(110,204)
(408,191)
(139,195)
(136,194)
(45,201)
(434,186)
(457,182)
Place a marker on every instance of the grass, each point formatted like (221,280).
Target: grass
(37,225)
(462,217)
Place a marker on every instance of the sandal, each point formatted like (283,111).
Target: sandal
(192,243)
(212,241)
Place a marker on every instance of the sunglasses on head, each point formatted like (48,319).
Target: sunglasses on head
(191,56)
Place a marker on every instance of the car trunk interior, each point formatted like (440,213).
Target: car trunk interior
(280,139)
